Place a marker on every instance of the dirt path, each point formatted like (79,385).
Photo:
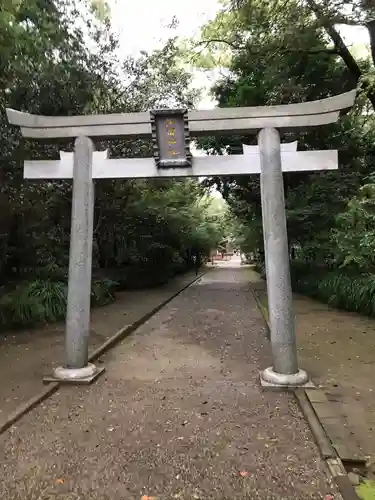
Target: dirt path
(25,357)
(178,415)
(338,350)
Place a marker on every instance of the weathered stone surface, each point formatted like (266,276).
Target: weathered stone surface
(281,318)
(354,478)
(80,257)
(220,120)
(138,168)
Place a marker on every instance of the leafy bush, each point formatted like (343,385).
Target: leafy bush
(346,291)
(355,232)
(103,292)
(50,272)
(260,268)
(40,301)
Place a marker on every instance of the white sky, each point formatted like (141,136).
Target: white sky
(140,22)
(141,25)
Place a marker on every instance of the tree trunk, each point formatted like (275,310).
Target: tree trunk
(371,29)
(342,49)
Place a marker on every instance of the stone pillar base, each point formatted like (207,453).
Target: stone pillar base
(269,379)
(75,376)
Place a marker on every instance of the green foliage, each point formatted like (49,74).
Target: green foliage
(352,292)
(60,57)
(246,235)
(350,284)
(103,292)
(366,490)
(214,47)
(40,301)
(288,52)
(20,308)
(291,62)
(355,232)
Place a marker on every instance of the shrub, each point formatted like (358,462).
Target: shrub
(337,288)
(41,301)
(103,292)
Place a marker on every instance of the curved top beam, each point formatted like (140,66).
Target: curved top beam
(219,120)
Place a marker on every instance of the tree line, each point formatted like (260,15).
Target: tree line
(275,52)
(60,57)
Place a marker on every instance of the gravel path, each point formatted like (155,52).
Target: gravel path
(178,415)
(26,356)
(337,348)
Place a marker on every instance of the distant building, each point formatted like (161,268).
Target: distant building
(224,252)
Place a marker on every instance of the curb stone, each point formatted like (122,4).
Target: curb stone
(264,312)
(29,405)
(51,388)
(326,450)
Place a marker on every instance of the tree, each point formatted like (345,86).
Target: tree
(285,52)
(60,58)
(327,15)
(355,232)
(273,63)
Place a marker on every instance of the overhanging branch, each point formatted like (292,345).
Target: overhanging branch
(206,43)
(342,49)
(247,46)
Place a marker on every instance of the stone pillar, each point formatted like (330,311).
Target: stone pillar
(265,233)
(284,371)
(77,368)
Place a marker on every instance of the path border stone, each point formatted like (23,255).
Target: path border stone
(51,388)
(326,449)
(29,405)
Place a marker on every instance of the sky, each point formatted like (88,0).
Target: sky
(142,25)
(140,22)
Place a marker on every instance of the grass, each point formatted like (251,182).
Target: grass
(44,301)
(43,297)
(350,292)
(366,490)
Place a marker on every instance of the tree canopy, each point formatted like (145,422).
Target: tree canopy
(274,52)
(60,57)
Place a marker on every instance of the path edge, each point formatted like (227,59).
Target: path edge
(51,388)
(332,461)
(129,329)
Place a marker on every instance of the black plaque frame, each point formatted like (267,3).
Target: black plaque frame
(171,162)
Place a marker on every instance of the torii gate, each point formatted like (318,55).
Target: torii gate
(170,131)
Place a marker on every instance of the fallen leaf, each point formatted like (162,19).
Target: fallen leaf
(244,473)
(59,481)
(146,497)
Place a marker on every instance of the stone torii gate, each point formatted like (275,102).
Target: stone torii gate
(170,131)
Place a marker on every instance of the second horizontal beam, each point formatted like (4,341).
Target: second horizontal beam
(203,166)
